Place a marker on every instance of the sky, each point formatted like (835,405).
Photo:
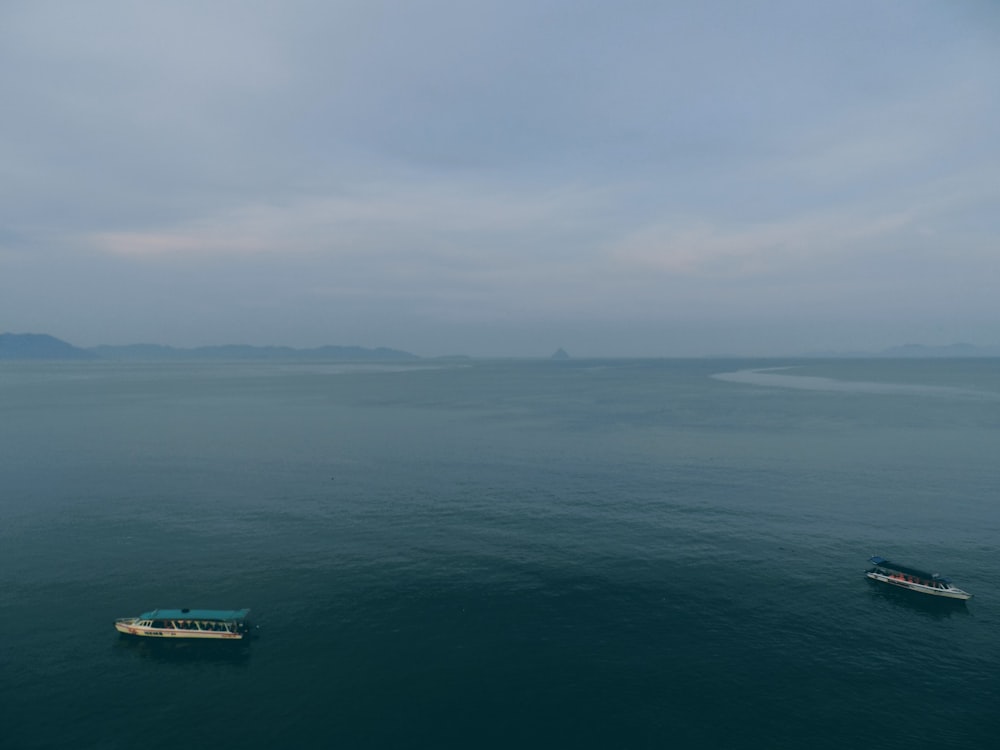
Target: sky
(502,178)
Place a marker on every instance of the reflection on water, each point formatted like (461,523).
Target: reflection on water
(179,651)
(768,376)
(935,607)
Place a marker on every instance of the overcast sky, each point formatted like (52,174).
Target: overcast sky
(502,178)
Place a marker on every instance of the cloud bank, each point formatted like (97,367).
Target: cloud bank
(501,178)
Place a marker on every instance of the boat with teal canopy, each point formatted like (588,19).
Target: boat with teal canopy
(202,624)
(914,579)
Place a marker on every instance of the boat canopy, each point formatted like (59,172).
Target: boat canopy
(906,570)
(218,615)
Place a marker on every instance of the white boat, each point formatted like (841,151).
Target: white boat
(206,624)
(905,577)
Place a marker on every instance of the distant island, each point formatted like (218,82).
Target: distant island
(36,346)
(916,351)
(950,350)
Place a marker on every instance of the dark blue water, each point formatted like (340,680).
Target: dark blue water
(571,554)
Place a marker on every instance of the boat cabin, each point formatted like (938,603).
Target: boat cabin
(898,572)
(187,623)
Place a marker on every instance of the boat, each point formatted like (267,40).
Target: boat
(913,579)
(204,624)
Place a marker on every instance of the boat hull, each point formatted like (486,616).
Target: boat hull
(946,593)
(131,628)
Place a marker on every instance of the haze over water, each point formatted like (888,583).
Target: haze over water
(630,553)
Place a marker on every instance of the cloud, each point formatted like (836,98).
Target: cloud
(445,219)
(701,249)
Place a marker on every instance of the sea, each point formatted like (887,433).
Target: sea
(501,553)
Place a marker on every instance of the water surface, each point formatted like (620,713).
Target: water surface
(581,553)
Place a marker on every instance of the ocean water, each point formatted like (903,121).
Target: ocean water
(501,553)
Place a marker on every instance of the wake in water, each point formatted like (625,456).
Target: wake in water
(768,376)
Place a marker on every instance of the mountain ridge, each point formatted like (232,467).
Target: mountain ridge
(40,346)
(36,346)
